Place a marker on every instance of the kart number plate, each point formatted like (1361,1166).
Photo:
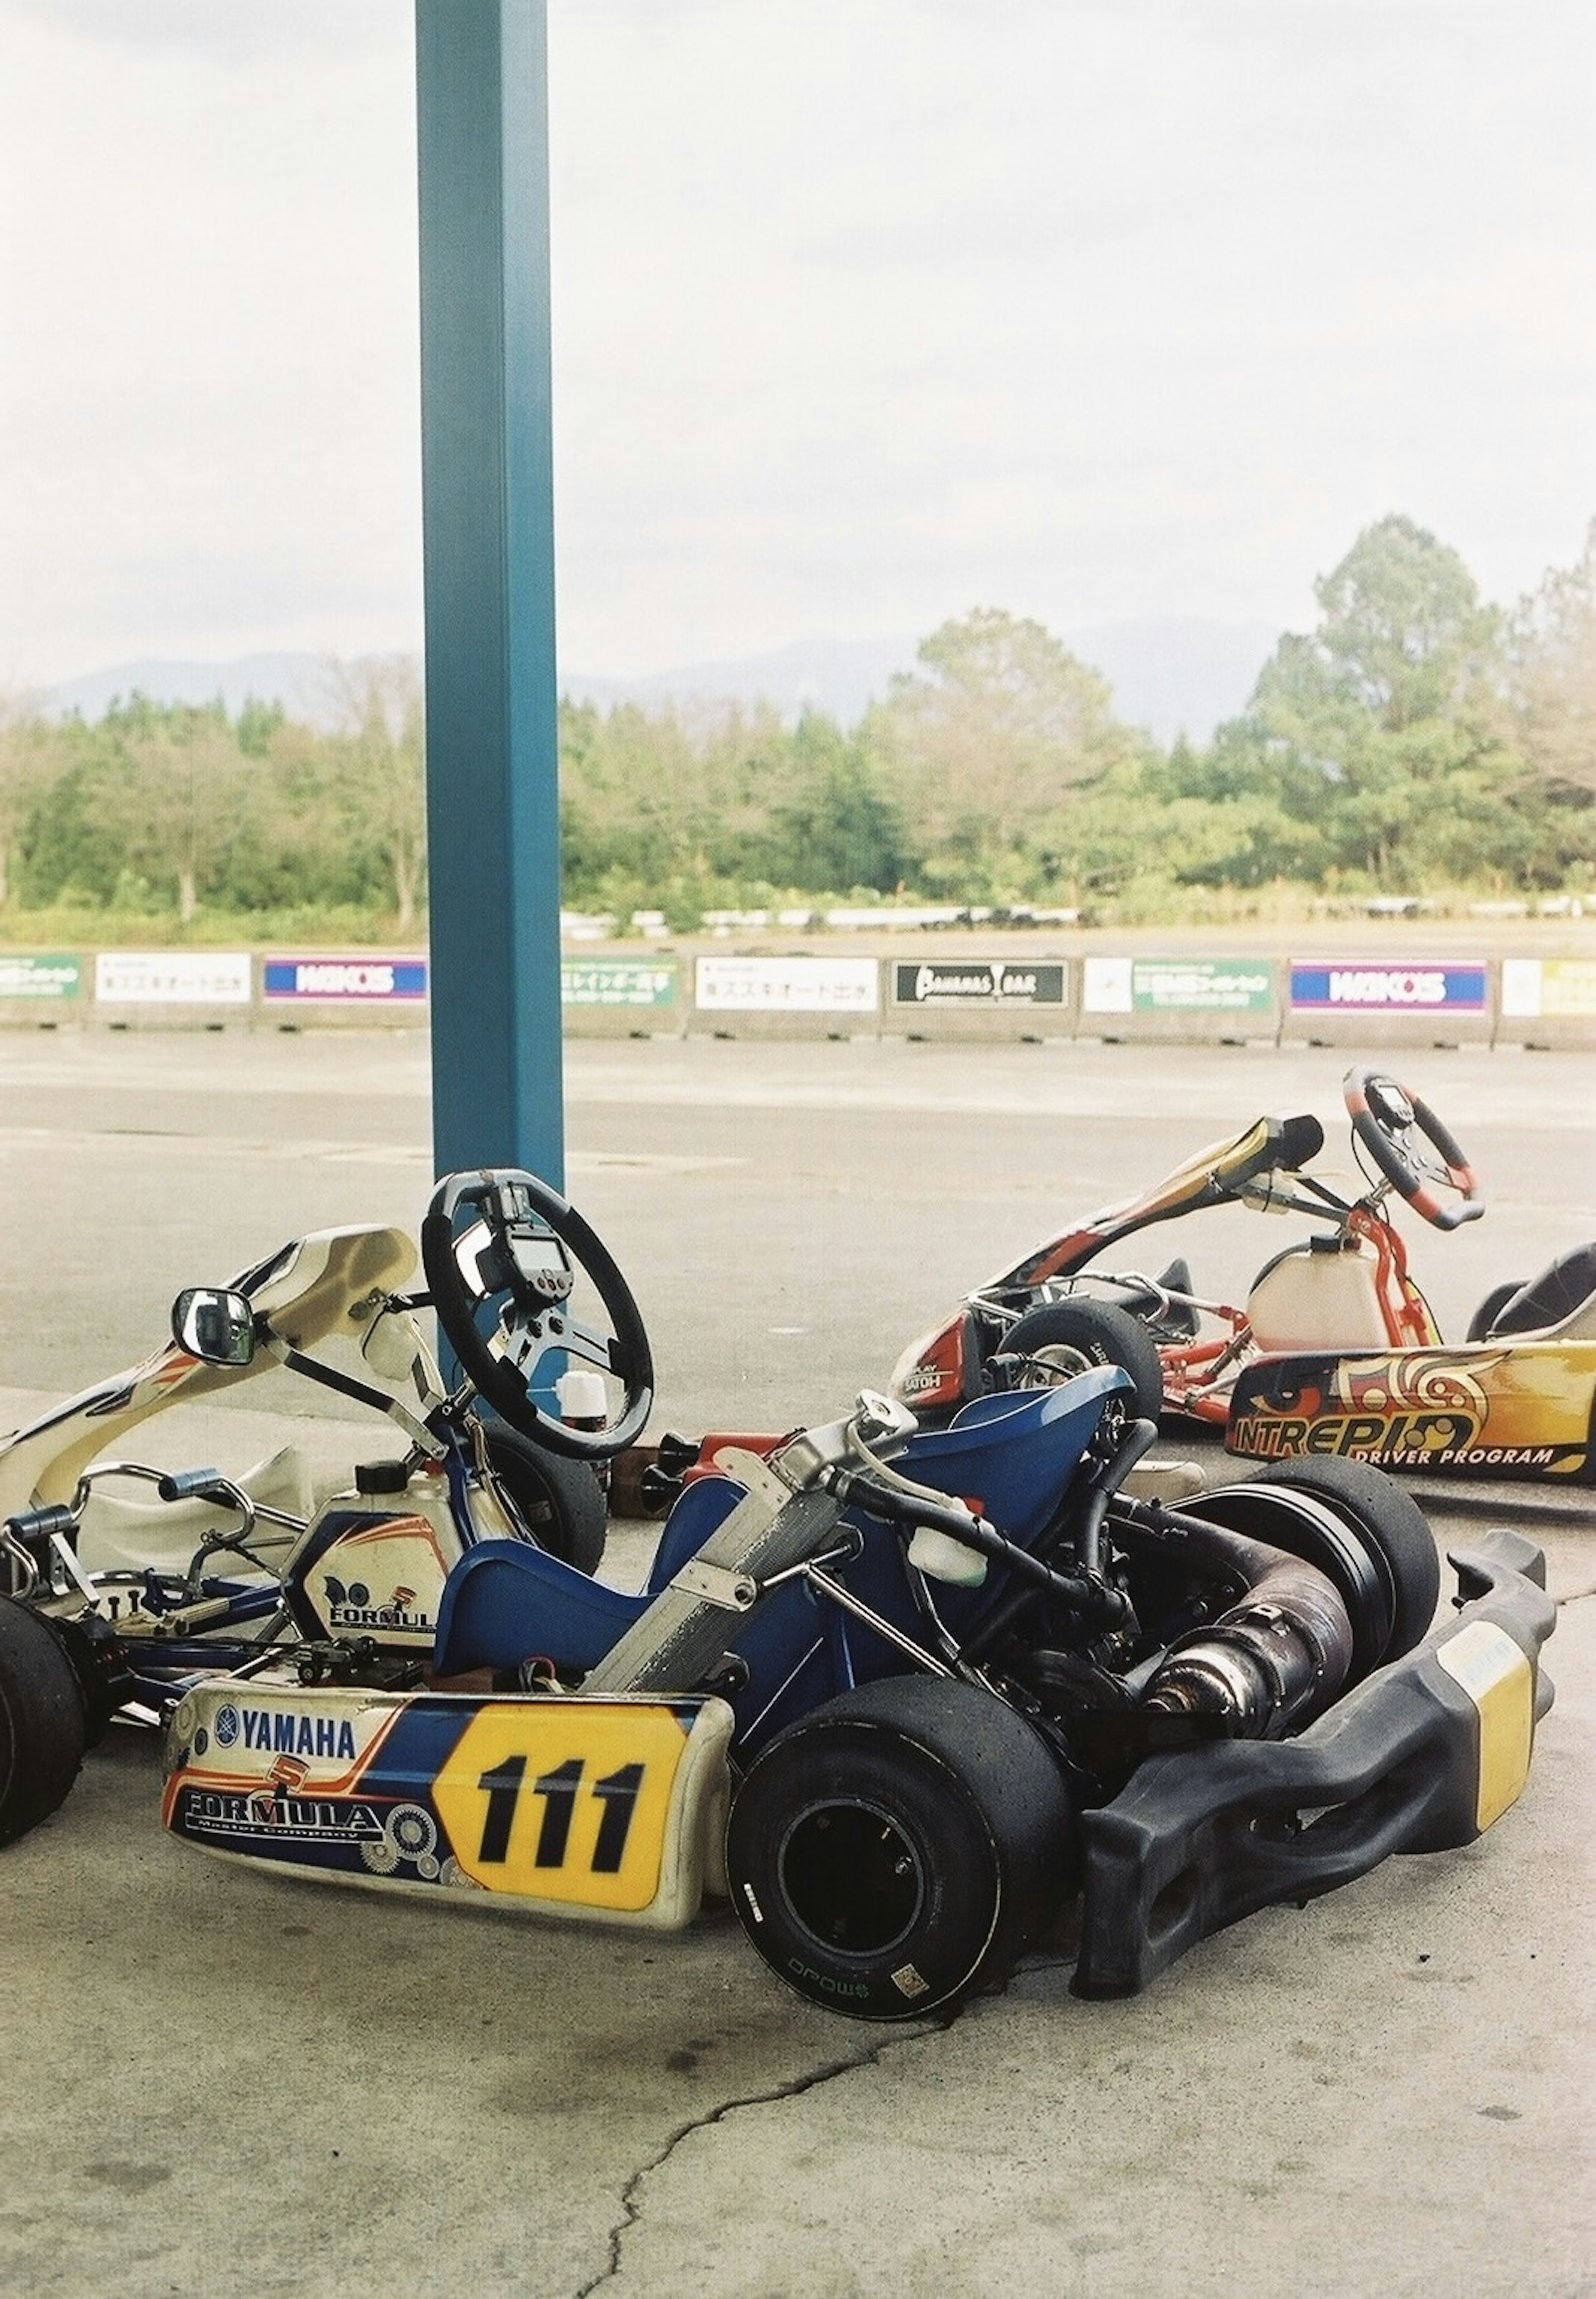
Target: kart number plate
(565,1801)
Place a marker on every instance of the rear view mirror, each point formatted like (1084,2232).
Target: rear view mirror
(215,1325)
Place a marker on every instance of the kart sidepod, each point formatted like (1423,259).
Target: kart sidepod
(1421,1757)
(1490,1409)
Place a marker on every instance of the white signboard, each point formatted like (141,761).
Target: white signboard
(1106,986)
(785,985)
(1550,987)
(172,977)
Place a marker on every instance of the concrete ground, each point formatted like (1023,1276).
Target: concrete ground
(218,2082)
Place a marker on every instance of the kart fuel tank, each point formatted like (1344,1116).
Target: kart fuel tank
(374,1561)
(1309,1299)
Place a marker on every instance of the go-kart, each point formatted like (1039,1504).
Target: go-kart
(1335,1349)
(902,1692)
(138,1596)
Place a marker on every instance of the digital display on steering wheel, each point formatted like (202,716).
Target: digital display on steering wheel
(541,1260)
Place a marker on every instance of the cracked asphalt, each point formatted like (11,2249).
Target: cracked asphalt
(218,2082)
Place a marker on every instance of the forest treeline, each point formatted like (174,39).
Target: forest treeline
(1419,738)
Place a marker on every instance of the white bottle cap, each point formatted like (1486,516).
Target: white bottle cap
(582,1397)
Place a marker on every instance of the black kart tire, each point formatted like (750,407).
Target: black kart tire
(900,1848)
(42,1724)
(1391,1590)
(1078,1334)
(561,1501)
(1490,1309)
(1390,1520)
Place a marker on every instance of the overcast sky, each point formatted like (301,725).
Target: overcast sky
(865,312)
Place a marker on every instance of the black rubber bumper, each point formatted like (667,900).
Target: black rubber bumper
(1421,1757)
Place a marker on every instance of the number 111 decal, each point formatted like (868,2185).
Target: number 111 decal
(505,1784)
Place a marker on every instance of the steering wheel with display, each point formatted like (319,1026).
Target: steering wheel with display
(503,1252)
(1412,1148)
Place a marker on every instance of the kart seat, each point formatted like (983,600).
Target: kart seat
(506,1601)
(1562,1296)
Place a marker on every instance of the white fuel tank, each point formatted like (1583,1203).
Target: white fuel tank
(1309,1299)
(375,1560)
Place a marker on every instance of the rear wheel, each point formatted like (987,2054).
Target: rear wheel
(1375,1546)
(42,1722)
(1062,1338)
(560,1502)
(899,1848)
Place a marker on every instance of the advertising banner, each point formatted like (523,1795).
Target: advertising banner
(359,981)
(172,977)
(25,974)
(979,982)
(785,985)
(1450,985)
(1178,985)
(1551,988)
(615,982)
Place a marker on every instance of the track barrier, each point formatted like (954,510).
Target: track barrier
(1372,1002)
(792,997)
(989,997)
(934,994)
(1547,1002)
(1195,1000)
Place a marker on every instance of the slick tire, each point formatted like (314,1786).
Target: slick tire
(1490,1309)
(42,1722)
(562,1502)
(1376,1547)
(900,1848)
(1062,1338)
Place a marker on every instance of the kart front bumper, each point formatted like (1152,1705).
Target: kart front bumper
(1421,1757)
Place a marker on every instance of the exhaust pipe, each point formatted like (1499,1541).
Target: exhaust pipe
(1279,1654)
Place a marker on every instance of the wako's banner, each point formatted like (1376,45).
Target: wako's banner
(172,977)
(1177,985)
(364,981)
(1353,986)
(27,974)
(785,985)
(979,982)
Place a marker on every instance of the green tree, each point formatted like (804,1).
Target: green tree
(1376,743)
(836,827)
(379,766)
(30,761)
(991,744)
(1402,629)
(1552,673)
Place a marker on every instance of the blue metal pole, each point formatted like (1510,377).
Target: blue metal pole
(488,538)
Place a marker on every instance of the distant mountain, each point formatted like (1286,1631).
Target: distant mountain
(837,676)
(299,682)
(1170,674)
(1177,674)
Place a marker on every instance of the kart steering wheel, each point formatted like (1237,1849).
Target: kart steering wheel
(1395,1127)
(516,1257)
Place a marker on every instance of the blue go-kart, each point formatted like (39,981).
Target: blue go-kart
(904,1695)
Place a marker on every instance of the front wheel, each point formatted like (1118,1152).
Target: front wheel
(899,1848)
(1061,1338)
(43,1725)
(560,1502)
